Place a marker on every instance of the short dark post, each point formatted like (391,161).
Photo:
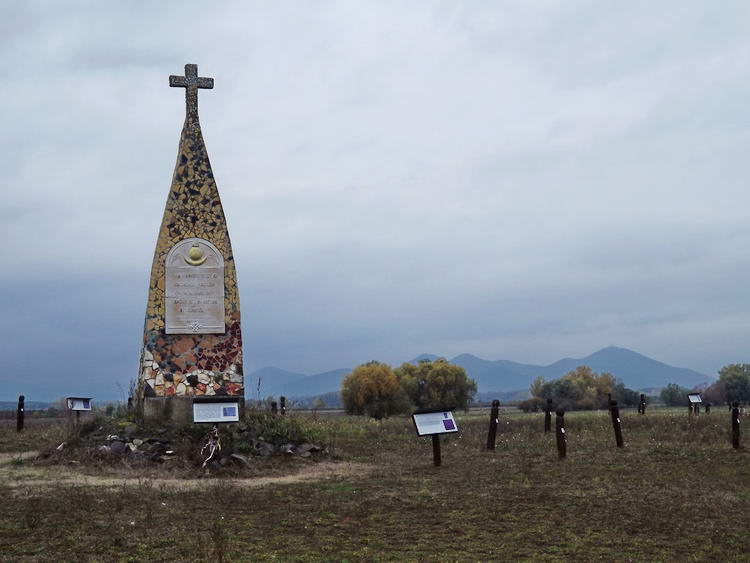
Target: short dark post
(436,449)
(690,408)
(617,424)
(697,408)
(609,401)
(562,445)
(283,405)
(735,425)
(708,408)
(20,413)
(274,407)
(492,433)
(643,404)
(548,416)
(130,404)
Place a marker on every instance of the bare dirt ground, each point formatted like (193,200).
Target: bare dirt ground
(15,474)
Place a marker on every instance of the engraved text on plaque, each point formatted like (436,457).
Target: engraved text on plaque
(194,288)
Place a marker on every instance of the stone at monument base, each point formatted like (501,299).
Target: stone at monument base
(172,409)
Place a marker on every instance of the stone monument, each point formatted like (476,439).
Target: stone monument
(192,342)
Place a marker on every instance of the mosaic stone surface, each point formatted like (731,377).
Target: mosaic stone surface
(191,364)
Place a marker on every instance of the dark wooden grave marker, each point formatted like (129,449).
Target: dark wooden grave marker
(562,442)
(492,432)
(616,424)
(20,413)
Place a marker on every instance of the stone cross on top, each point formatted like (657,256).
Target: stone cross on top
(191,82)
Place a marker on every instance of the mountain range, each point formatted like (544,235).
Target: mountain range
(502,376)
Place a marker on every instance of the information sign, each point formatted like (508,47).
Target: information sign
(225,409)
(79,403)
(434,422)
(694,398)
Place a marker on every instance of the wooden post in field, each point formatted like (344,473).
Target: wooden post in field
(616,424)
(708,408)
(130,404)
(20,413)
(562,442)
(642,405)
(283,405)
(548,416)
(735,425)
(274,407)
(492,432)
(436,449)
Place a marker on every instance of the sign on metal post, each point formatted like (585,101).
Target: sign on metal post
(218,409)
(434,422)
(79,403)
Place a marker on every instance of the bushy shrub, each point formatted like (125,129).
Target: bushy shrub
(436,384)
(583,389)
(280,430)
(373,389)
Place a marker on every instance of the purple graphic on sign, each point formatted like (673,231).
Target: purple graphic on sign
(449,425)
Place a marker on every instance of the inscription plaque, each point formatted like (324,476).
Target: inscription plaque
(194,288)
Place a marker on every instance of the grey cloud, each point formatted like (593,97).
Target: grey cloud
(516,180)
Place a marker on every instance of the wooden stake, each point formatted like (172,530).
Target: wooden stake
(735,425)
(20,413)
(548,416)
(562,442)
(616,424)
(492,432)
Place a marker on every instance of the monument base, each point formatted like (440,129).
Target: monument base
(171,409)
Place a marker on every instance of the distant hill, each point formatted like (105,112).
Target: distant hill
(497,376)
(430,357)
(278,382)
(635,370)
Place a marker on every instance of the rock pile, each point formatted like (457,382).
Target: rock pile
(163,445)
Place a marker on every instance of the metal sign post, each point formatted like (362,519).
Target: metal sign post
(694,402)
(214,410)
(434,422)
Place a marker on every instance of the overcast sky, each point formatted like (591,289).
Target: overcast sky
(516,180)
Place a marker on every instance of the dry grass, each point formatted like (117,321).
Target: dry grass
(675,492)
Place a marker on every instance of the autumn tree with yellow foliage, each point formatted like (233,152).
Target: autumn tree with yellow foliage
(582,388)
(373,389)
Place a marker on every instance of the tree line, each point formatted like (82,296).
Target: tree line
(579,389)
(377,390)
(732,385)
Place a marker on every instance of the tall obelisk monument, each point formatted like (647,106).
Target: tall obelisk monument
(192,343)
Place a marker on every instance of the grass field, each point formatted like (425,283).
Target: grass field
(677,491)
